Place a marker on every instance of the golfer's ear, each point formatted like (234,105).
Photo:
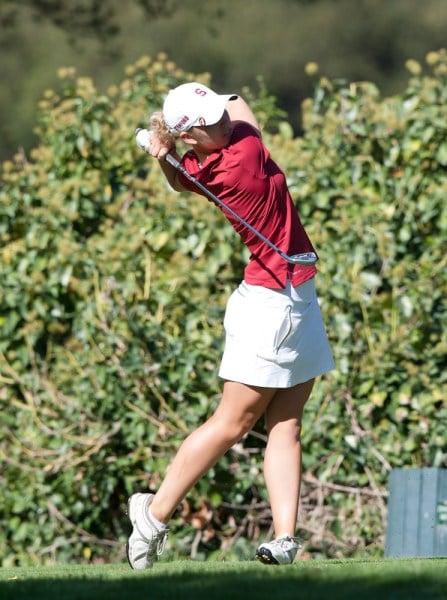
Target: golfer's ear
(187,138)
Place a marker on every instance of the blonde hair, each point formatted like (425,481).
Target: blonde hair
(158,125)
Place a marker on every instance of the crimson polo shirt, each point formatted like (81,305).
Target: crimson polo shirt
(247,180)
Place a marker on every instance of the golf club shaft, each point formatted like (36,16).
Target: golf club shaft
(306,258)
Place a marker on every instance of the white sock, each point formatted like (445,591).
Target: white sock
(158,524)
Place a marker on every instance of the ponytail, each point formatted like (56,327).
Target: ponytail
(158,125)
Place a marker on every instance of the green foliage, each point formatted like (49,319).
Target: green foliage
(271,38)
(371,181)
(112,300)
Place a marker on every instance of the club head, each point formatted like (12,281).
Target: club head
(305,258)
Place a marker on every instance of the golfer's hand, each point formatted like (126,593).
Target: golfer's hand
(153,143)
(161,146)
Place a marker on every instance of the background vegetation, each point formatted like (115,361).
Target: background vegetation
(112,298)
(358,40)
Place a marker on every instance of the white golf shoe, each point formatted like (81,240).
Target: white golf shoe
(280,551)
(147,541)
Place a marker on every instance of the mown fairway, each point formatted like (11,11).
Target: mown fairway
(313,580)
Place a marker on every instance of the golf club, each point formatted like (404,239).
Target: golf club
(304,258)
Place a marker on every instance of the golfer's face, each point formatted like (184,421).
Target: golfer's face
(214,137)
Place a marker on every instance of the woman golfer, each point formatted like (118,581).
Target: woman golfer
(275,343)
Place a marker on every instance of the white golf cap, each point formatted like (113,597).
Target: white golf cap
(192,104)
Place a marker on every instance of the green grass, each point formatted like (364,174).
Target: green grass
(415,579)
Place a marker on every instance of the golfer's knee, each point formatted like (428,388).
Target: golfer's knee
(241,425)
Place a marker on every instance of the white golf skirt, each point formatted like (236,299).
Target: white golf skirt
(274,338)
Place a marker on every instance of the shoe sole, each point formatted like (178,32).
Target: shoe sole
(127,511)
(127,555)
(266,557)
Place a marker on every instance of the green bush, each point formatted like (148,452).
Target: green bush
(111,308)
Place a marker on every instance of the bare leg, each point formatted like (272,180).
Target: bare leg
(239,409)
(282,462)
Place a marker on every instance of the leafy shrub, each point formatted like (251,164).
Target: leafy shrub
(112,301)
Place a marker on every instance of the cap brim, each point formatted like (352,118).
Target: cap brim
(215,113)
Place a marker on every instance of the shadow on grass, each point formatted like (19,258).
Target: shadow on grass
(269,584)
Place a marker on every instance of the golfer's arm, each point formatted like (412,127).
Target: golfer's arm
(239,110)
